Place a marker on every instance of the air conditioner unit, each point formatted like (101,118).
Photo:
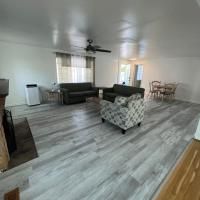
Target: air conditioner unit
(32,94)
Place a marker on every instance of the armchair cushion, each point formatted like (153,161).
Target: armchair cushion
(114,113)
(121,101)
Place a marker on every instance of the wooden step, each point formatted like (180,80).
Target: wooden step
(12,195)
(183,183)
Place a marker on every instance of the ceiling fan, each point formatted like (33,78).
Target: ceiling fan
(94,48)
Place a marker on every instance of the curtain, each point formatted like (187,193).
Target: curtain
(74,69)
(64,59)
(90,62)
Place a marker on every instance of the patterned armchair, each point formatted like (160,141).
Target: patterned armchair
(124,112)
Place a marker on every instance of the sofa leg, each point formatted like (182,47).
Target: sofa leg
(103,120)
(123,131)
(139,124)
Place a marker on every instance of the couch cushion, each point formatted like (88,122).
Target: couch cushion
(124,90)
(110,94)
(121,101)
(82,93)
(76,87)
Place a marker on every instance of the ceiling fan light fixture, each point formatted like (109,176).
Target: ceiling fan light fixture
(133,59)
(91,52)
(94,48)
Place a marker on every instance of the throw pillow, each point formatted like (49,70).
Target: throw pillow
(121,101)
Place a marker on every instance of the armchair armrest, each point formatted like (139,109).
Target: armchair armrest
(133,104)
(136,110)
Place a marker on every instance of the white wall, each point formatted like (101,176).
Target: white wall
(23,64)
(185,71)
(107,69)
(132,72)
(106,72)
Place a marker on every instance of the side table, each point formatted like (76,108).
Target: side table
(55,96)
(101,90)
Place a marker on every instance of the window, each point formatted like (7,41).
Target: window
(74,69)
(124,74)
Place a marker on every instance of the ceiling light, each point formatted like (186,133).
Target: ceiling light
(132,59)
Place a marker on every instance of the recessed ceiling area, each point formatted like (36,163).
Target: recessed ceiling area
(130,28)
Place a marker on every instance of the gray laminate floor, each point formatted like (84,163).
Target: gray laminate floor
(81,158)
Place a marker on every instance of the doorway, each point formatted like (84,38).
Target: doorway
(138,75)
(125,74)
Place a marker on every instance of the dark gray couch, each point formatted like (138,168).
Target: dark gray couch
(109,94)
(77,92)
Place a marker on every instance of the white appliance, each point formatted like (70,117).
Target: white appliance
(197,134)
(32,94)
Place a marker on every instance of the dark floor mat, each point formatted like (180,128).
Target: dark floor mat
(26,149)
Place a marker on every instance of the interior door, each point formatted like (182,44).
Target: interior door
(124,74)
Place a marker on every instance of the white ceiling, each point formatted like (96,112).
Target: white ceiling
(130,28)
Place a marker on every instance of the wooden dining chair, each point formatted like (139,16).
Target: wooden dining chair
(169,91)
(175,85)
(154,90)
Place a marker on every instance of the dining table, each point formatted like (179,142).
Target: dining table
(164,87)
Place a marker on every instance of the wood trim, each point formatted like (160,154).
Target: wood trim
(12,195)
(4,155)
(184,180)
(94,69)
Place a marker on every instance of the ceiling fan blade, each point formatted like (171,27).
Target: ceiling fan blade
(103,50)
(78,47)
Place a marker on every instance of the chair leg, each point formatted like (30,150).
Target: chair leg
(149,95)
(139,124)
(123,131)
(103,120)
